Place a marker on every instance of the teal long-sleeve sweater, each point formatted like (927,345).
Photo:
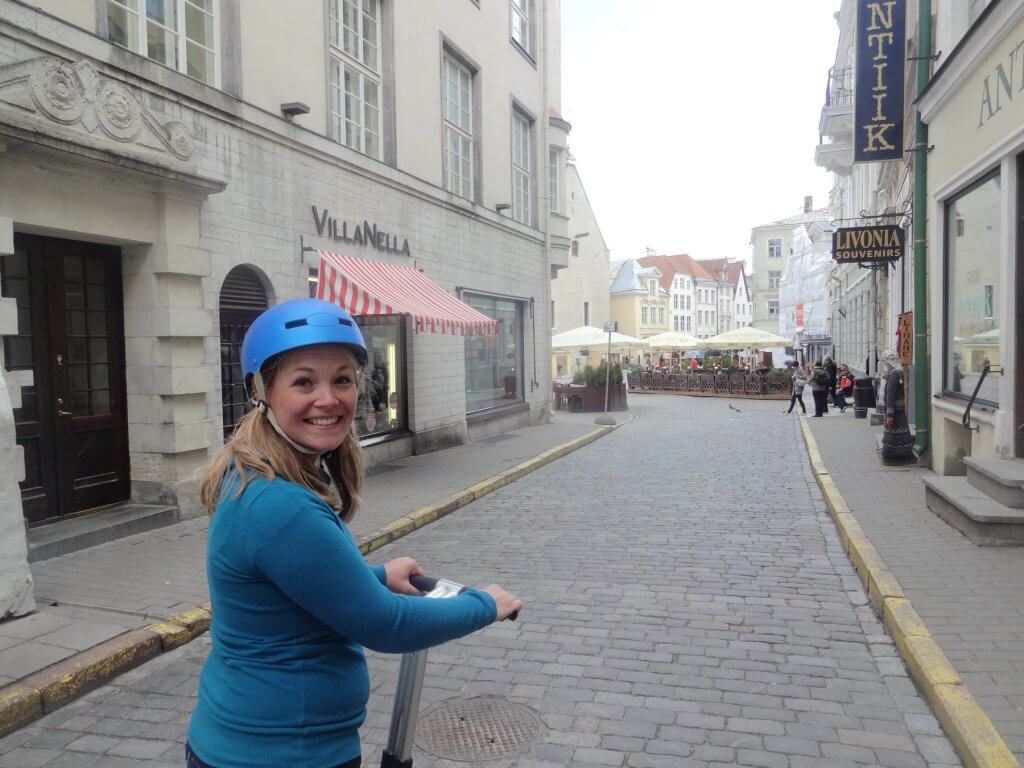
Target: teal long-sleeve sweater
(294,604)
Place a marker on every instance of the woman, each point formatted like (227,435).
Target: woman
(819,389)
(294,603)
(844,388)
(799,379)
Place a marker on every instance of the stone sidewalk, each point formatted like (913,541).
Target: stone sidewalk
(684,609)
(90,596)
(971,598)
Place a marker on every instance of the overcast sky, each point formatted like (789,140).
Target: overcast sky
(694,121)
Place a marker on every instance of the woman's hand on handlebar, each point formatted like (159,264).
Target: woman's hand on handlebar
(398,572)
(506,602)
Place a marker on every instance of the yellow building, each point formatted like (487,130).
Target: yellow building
(638,302)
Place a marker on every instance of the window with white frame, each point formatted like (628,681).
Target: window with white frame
(661,315)
(652,287)
(522,24)
(355,74)
(643,315)
(775,248)
(520,167)
(553,180)
(689,304)
(457,111)
(180,34)
(773,309)
(774,277)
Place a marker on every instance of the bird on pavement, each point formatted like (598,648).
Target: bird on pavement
(734,409)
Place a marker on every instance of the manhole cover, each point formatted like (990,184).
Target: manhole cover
(478,728)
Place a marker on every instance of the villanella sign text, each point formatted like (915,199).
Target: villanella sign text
(360,234)
(879,84)
(871,245)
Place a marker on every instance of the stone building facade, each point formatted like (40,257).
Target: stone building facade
(165,176)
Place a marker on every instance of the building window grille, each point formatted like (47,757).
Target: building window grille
(355,74)
(458,127)
(180,34)
(520,167)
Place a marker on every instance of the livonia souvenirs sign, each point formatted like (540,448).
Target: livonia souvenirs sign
(870,245)
(880,78)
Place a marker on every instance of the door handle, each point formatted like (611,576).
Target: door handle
(60,411)
(64,413)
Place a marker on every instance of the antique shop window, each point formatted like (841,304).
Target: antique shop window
(382,400)
(355,88)
(971,332)
(494,362)
(180,34)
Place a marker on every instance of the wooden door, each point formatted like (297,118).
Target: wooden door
(72,422)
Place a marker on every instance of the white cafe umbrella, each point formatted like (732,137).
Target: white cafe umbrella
(673,340)
(586,336)
(746,338)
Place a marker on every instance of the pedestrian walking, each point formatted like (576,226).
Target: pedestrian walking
(818,381)
(799,381)
(844,387)
(294,604)
(832,370)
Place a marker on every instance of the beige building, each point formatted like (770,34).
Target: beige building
(168,169)
(772,244)
(579,293)
(975,259)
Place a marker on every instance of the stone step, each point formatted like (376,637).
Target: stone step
(1002,479)
(978,516)
(74,534)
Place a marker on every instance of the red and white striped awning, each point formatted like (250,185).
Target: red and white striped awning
(363,287)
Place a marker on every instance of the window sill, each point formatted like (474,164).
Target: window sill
(387,437)
(476,417)
(525,53)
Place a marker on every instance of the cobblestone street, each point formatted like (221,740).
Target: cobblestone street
(687,604)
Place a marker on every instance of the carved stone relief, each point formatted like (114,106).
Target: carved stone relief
(77,94)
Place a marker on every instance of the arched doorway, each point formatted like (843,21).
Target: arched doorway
(242,298)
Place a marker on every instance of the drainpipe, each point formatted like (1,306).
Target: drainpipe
(922,388)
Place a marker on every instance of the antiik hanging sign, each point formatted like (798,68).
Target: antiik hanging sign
(868,245)
(880,78)
(360,234)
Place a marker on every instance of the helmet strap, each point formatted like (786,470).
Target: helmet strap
(260,403)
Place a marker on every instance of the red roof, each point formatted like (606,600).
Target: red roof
(680,264)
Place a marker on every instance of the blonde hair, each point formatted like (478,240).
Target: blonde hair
(256,448)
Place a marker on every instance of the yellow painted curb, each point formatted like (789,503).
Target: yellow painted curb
(968,727)
(424,515)
(44,691)
(976,740)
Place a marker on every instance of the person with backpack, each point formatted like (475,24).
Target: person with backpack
(844,387)
(799,379)
(294,603)
(818,381)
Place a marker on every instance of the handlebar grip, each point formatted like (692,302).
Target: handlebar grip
(423,583)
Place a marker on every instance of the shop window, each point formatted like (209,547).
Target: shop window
(972,333)
(494,362)
(382,399)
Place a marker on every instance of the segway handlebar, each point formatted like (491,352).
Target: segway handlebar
(432,587)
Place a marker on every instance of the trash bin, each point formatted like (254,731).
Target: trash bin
(863,396)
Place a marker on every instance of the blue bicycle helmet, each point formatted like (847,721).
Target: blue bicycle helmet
(299,323)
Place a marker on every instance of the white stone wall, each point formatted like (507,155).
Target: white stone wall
(586,277)
(244,195)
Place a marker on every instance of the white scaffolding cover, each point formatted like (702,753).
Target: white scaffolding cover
(806,283)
